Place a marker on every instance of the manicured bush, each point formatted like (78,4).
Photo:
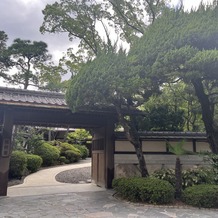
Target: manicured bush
(205,195)
(34,162)
(71,153)
(18,164)
(63,160)
(149,190)
(48,153)
(83,150)
(72,156)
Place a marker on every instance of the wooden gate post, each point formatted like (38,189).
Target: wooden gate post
(5,150)
(103,155)
(109,154)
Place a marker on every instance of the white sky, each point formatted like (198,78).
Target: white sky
(23,18)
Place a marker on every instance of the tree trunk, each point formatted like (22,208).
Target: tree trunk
(133,137)
(207,115)
(178,176)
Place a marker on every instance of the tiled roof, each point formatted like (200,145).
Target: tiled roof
(11,96)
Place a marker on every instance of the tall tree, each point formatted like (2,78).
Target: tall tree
(181,109)
(4,61)
(26,57)
(184,45)
(99,25)
(109,82)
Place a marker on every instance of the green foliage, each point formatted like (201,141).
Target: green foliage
(72,156)
(197,176)
(48,153)
(183,46)
(165,174)
(83,150)
(177,149)
(162,118)
(63,160)
(4,61)
(79,136)
(126,19)
(212,159)
(182,109)
(149,190)
(18,164)
(108,85)
(71,153)
(27,138)
(190,177)
(27,57)
(34,162)
(201,196)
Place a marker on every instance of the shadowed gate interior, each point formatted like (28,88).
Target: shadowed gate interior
(34,108)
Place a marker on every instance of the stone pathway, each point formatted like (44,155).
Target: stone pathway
(90,205)
(44,198)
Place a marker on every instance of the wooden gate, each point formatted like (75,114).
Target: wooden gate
(98,161)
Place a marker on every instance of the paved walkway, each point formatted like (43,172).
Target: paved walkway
(41,196)
(43,182)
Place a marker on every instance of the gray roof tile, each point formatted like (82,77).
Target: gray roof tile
(34,98)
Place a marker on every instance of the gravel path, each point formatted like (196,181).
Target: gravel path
(80,175)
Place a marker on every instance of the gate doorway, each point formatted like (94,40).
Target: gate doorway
(34,108)
(98,162)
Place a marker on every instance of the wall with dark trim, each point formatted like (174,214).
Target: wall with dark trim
(156,154)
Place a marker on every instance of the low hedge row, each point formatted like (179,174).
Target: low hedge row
(205,195)
(22,163)
(149,190)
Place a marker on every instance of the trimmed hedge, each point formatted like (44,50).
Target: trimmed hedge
(18,164)
(72,156)
(48,153)
(71,153)
(204,195)
(63,160)
(34,162)
(83,150)
(149,190)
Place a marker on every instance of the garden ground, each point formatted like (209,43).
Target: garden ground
(42,196)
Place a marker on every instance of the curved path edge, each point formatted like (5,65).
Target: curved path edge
(44,182)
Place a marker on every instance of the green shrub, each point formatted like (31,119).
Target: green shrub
(205,195)
(48,153)
(190,177)
(197,176)
(18,164)
(71,153)
(165,174)
(150,190)
(83,150)
(34,162)
(72,156)
(63,160)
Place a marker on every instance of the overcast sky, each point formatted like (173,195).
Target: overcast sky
(22,19)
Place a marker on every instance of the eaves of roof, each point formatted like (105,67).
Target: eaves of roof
(20,97)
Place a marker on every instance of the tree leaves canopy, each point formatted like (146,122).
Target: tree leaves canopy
(105,81)
(182,45)
(27,57)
